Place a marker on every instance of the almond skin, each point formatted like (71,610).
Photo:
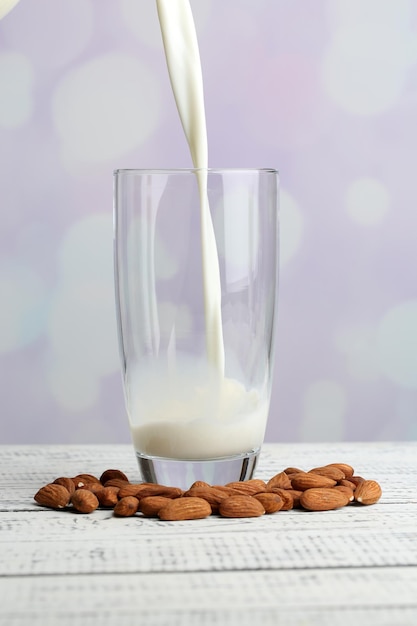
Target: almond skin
(347,483)
(280,480)
(83,479)
(323,499)
(346,469)
(347,490)
(304,481)
(286,497)
(211,494)
(144,490)
(185,509)
(66,482)
(270,501)
(84,501)
(296,495)
(241,506)
(151,505)
(247,487)
(108,496)
(53,496)
(368,492)
(331,472)
(126,507)
(112,473)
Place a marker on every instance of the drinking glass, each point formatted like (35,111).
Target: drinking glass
(196,273)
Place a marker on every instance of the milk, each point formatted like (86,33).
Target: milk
(193,411)
(184,67)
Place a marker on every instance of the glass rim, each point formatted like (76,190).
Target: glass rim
(194,170)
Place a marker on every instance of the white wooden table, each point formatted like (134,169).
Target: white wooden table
(356,565)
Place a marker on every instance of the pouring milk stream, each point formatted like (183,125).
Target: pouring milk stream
(221,417)
(184,67)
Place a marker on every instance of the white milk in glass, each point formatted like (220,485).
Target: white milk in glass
(201,414)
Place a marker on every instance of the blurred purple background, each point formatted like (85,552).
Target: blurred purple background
(324,91)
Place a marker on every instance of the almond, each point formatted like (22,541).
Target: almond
(331,472)
(347,490)
(279,480)
(286,497)
(305,480)
(66,482)
(368,492)
(323,499)
(247,487)
(293,470)
(107,496)
(347,483)
(109,474)
(126,507)
(185,509)
(270,501)
(151,505)
(84,501)
(53,496)
(117,482)
(211,494)
(346,469)
(356,480)
(145,489)
(83,479)
(200,483)
(296,495)
(241,506)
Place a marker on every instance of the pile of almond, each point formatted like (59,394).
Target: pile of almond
(320,489)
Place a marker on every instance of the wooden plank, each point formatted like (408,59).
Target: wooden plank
(317,597)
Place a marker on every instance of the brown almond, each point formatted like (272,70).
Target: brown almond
(323,499)
(93,487)
(293,470)
(347,483)
(151,505)
(368,492)
(145,489)
(346,469)
(356,479)
(305,480)
(271,502)
(331,472)
(53,496)
(280,480)
(66,482)
(84,501)
(83,479)
(296,495)
(118,482)
(286,497)
(109,474)
(108,496)
(199,483)
(212,495)
(247,487)
(241,506)
(185,509)
(347,490)
(126,507)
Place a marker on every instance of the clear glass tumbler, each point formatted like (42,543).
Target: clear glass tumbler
(196,273)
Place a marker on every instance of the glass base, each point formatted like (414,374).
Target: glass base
(183,474)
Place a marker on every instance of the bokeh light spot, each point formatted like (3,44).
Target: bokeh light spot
(397,344)
(367,201)
(16,84)
(106,107)
(325,405)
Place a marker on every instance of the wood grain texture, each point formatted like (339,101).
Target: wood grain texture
(353,564)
